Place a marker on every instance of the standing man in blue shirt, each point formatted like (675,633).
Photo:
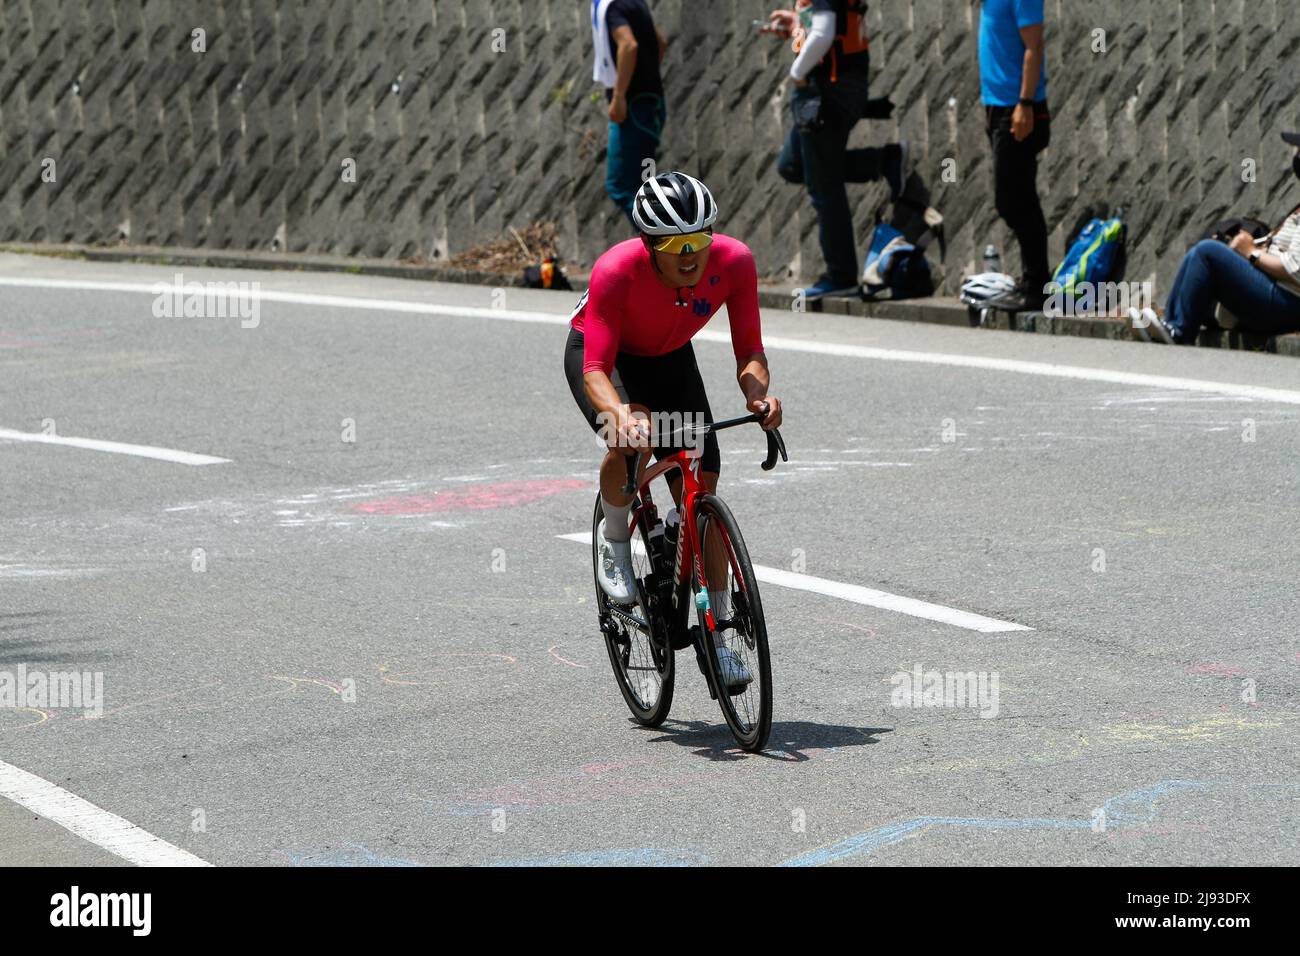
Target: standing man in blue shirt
(1013,80)
(629,49)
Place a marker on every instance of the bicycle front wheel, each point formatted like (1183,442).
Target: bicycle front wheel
(635,634)
(746,707)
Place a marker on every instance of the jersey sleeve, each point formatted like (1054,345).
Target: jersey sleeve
(602,322)
(1029,13)
(615,17)
(742,307)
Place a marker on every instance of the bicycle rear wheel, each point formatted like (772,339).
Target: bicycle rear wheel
(635,635)
(747,709)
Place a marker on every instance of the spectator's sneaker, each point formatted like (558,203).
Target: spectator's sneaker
(1019,299)
(734,672)
(895,168)
(1013,301)
(828,288)
(1151,327)
(615,573)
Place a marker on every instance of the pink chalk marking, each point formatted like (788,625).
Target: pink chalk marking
(476,660)
(13,340)
(596,768)
(563,660)
(1218,670)
(505,494)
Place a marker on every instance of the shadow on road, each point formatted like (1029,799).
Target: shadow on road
(792,741)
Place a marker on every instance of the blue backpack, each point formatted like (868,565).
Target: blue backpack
(1093,256)
(895,268)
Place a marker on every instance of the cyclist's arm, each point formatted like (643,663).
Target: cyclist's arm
(601,393)
(602,328)
(747,341)
(754,378)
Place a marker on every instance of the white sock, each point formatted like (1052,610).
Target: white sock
(720,604)
(616,520)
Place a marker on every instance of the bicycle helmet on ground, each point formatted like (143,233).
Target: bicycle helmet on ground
(978,289)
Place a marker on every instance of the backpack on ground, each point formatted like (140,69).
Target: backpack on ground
(1096,255)
(895,268)
(547,275)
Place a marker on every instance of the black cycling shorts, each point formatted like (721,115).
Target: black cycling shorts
(662,383)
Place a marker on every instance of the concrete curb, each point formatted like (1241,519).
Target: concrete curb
(938,310)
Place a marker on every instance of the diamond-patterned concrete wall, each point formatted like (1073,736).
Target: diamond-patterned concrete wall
(243,146)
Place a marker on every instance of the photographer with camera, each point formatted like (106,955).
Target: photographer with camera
(829,96)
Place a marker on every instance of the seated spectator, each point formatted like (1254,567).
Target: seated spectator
(1257,280)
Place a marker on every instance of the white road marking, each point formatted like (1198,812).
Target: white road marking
(859,595)
(116,447)
(774,343)
(27,571)
(91,823)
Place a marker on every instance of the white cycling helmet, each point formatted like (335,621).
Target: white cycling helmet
(673,204)
(979,289)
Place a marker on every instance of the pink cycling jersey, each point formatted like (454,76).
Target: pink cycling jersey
(626,308)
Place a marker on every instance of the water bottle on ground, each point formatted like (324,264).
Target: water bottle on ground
(992,261)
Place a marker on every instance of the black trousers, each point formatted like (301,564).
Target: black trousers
(1015,188)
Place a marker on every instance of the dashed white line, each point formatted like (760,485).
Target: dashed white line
(116,447)
(93,824)
(861,595)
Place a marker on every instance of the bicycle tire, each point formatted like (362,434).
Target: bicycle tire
(751,728)
(620,657)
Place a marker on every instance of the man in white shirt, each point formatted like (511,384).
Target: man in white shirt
(629,49)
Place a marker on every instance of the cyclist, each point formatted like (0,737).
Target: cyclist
(629,354)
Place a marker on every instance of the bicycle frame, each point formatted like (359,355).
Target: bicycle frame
(690,551)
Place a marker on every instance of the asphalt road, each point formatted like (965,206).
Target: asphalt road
(379,651)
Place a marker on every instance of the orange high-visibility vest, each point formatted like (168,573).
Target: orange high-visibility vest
(850,33)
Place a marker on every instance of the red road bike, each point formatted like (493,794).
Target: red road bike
(671,581)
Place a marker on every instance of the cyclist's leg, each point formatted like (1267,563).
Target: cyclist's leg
(672,386)
(613,467)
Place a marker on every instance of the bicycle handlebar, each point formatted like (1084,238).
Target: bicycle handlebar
(775,443)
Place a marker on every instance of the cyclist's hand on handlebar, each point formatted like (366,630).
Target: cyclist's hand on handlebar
(770,409)
(632,433)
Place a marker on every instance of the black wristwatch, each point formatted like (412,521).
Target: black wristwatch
(1024,101)
(1254,258)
